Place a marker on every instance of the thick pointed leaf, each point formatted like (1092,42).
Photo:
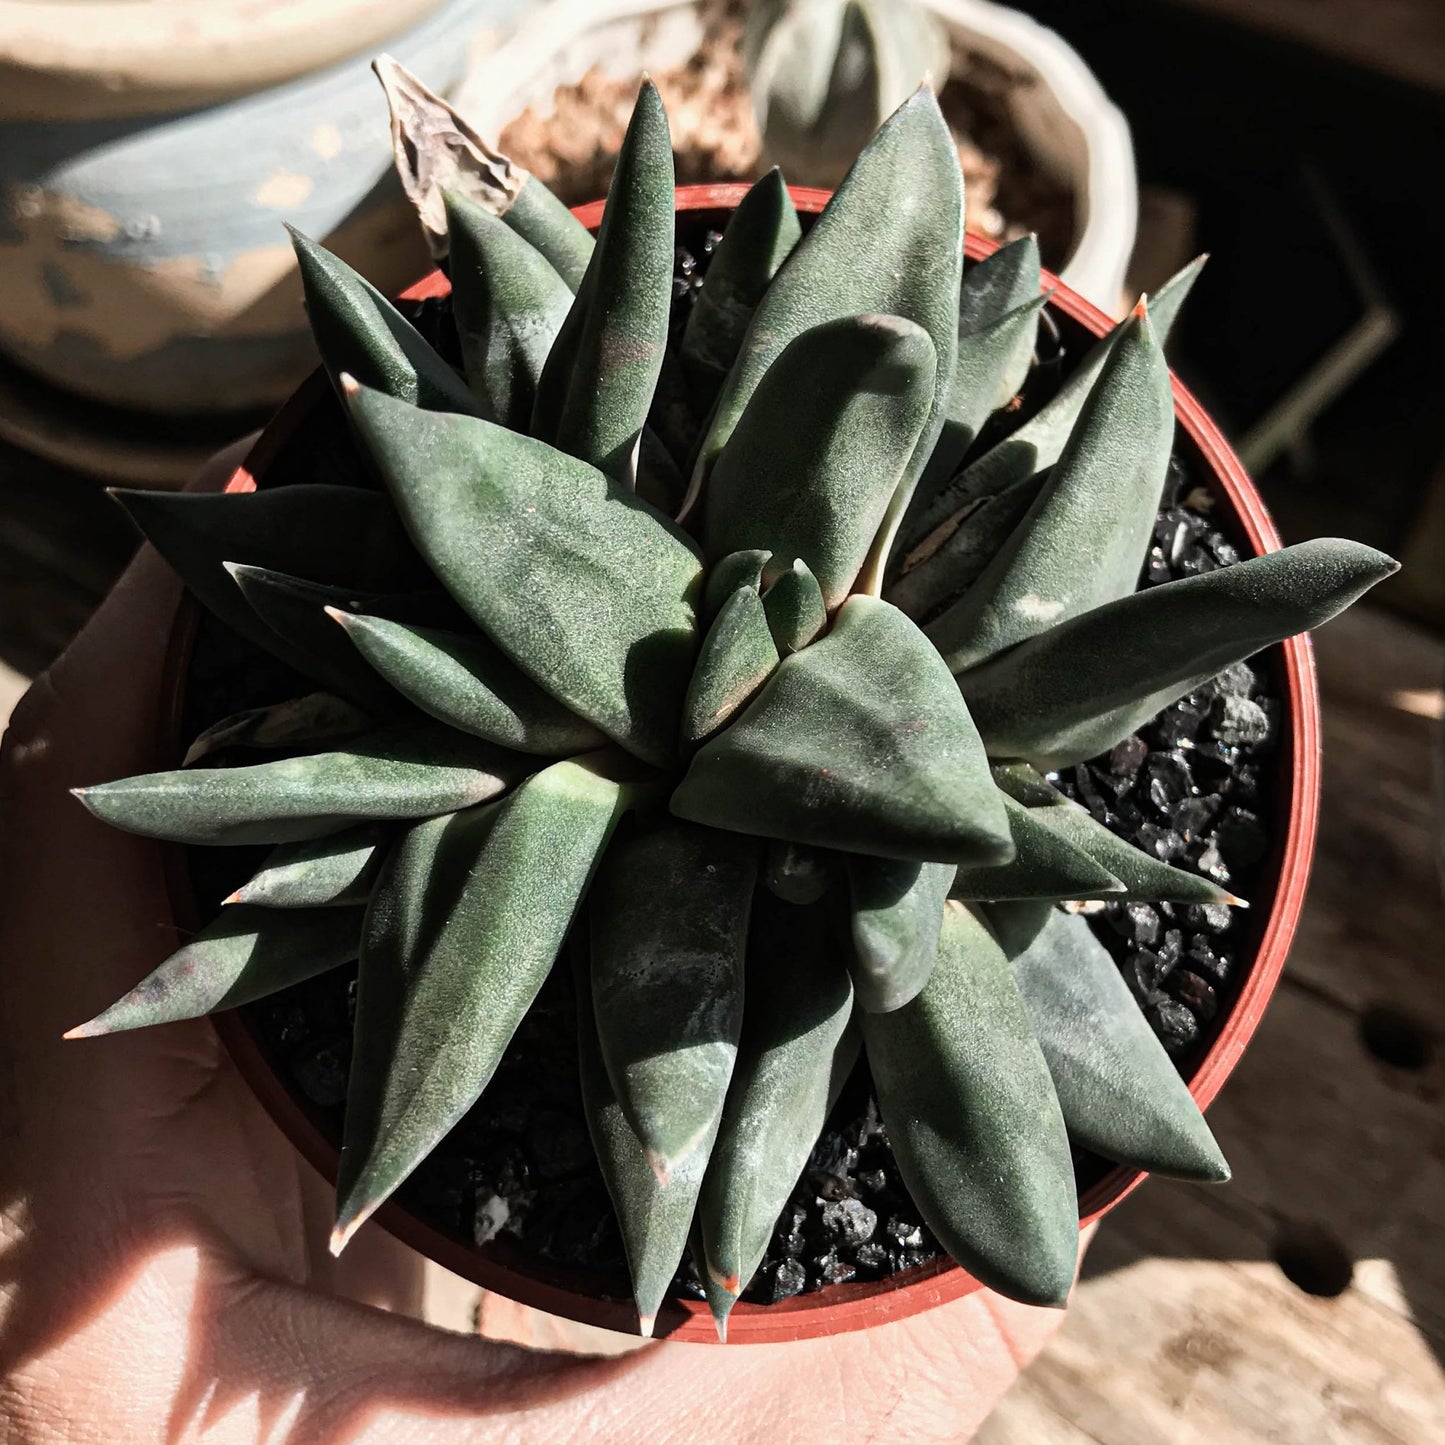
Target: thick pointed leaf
(881,248)
(822,446)
(414,771)
(245,954)
(1099,502)
(541,220)
(998,315)
(360,333)
(598,384)
(588,589)
(508,304)
(655,1220)
(855,743)
(319,872)
(755,242)
(738,656)
(895,912)
(318,717)
(741,569)
(1144,877)
(468,683)
(463,926)
(668,920)
(796,873)
(794,607)
(345,536)
(1039,443)
(1045,865)
(954,556)
(974,1122)
(1120,1093)
(296,612)
(1077,689)
(797,1050)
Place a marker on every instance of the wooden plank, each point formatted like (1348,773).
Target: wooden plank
(1404,39)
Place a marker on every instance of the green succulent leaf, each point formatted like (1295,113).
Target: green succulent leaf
(468,683)
(794,607)
(795,873)
(856,743)
(974,1122)
(463,926)
(668,916)
(339,536)
(895,913)
(305,638)
(881,249)
(796,1052)
(1120,1093)
(998,319)
(245,954)
(598,384)
(738,656)
(360,333)
(412,771)
(1040,441)
(955,555)
(1099,502)
(317,717)
(1142,876)
(740,569)
(583,585)
(756,241)
(1077,689)
(509,305)
(541,220)
(319,872)
(822,446)
(655,1219)
(1046,865)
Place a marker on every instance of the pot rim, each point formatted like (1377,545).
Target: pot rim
(845,1307)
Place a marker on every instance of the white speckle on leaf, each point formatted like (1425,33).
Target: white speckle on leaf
(1037,608)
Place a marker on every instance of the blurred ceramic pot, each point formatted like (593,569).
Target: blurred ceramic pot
(148,154)
(1057,107)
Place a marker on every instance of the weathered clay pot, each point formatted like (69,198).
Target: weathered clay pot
(148,155)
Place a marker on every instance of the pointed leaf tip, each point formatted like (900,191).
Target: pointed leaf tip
(645,1325)
(348,383)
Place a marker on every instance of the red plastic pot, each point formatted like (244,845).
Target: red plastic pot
(1276,909)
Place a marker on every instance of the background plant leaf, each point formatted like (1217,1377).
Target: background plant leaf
(894,914)
(738,656)
(319,872)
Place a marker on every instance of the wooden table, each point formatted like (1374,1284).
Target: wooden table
(1185,1328)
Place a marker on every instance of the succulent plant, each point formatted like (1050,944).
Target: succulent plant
(825,74)
(740,664)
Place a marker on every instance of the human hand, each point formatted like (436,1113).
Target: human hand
(164,1274)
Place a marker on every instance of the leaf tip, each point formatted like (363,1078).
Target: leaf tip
(345,1229)
(91,1029)
(645,1325)
(349,385)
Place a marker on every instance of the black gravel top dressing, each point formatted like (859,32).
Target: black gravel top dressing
(517,1176)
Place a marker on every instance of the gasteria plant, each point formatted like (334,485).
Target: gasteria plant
(739,664)
(825,74)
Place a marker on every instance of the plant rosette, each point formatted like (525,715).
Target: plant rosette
(726,659)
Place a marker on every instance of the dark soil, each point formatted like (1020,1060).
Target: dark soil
(518,1177)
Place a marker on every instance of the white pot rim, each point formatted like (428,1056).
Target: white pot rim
(1105,186)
